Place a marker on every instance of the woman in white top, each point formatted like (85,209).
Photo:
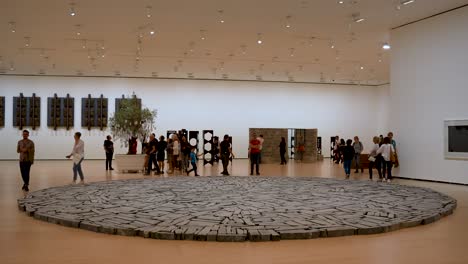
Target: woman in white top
(386,150)
(78,156)
(375,159)
(175,152)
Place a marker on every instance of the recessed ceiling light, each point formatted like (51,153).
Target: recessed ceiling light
(340,2)
(152,32)
(386,46)
(362,67)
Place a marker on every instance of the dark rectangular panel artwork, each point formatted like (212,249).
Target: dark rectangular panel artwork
(94,112)
(2,111)
(26,111)
(60,112)
(458,139)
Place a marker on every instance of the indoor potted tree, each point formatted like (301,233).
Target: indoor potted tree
(129,123)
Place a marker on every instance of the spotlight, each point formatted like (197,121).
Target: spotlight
(148,11)
(357,18)
(406,2)
(259,38)
(72,9)
(386,46)
(152,32)
(12,27)
(221,16)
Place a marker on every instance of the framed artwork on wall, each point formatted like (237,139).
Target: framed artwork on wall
(456,139)
(26,111)
(60,112)
(94,112)
(2,111)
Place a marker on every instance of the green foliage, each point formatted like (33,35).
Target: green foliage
(132,121)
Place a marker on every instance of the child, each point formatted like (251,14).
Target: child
(193,161)
(348,155)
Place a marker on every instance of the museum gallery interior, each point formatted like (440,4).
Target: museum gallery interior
(233,131)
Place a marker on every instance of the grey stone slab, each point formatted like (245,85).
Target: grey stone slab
(238,208)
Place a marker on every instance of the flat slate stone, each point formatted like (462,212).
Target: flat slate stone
(235,209)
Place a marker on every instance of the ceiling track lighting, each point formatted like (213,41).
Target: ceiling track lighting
(12,26)
(148,11)
(221,16)
(357,18)
(78,29)
(406,2)
(244,49)
(288,21)
(202,34)
(72,11)
(27,42)
(259,38)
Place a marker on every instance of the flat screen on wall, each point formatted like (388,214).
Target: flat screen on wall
(456,139)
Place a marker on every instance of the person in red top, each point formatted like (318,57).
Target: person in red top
(254,152)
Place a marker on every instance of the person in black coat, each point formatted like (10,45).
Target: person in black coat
(282,147)
(348,155)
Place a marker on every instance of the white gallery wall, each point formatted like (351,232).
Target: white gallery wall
(230,107)
(429,83)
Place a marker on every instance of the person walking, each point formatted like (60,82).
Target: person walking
(358,148)
(161,155)
(348,155)
(282,147)
(152,149)
(169,150)
(78,157)
(109,149)
(261,140)
(374,158)
(185,152)
(175,152)
(26,150)
(388,153)
(254,152)
(225,151)
(193,161)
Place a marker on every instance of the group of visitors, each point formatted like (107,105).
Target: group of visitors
(26,150)
(382,155)
(180,155)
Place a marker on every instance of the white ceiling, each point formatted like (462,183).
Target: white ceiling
(230,49)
